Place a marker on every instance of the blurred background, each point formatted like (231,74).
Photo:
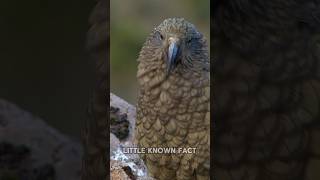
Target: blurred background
(44,67)
(131,22)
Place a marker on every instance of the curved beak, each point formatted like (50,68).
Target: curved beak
(173,53)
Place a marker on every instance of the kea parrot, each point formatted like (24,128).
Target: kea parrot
(173,109)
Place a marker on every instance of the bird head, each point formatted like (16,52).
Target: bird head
(176,42)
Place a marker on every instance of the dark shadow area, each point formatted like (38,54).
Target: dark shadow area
(266,90)
(44,67)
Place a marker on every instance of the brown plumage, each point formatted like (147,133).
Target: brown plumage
(173,104)
(266,90)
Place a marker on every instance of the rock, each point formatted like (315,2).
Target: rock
(124,115)
(119,124)
(117,171)
(30,140)
(121,171)
(114,144)
(124,165)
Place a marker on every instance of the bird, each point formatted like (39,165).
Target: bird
(266,93)
(173,106)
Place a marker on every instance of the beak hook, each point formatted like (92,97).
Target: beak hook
(172,56)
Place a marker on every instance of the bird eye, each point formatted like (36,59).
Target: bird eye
(159,35)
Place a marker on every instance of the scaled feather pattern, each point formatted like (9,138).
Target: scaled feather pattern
(174,101)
